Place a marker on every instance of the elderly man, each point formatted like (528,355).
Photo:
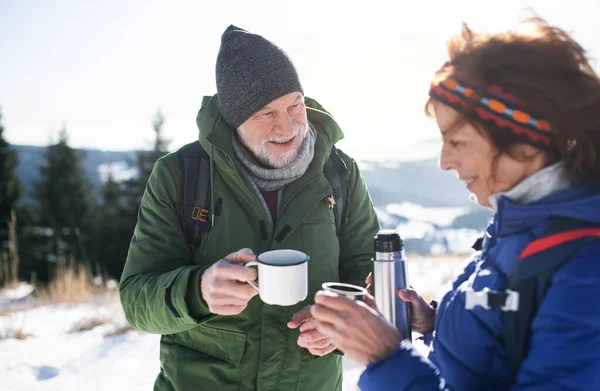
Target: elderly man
(265,148)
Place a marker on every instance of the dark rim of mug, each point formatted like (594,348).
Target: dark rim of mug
(299,262)
(356,290)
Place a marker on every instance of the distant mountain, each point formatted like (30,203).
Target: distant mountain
(430,207)
(437,230)
(32,157)
(421,182)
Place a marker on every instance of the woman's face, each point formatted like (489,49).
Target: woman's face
(471,154)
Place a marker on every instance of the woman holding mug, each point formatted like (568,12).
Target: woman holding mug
(519,115)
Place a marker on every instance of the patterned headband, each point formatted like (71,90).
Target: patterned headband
(495,109)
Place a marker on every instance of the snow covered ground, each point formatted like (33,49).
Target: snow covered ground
(61,349)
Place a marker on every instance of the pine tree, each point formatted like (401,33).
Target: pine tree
(122,200)
(64,202)
(114,231)
(134,187)
(145,161)
(10,193)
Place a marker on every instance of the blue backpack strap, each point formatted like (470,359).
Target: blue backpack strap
(532,276)
(195,192)
(337,174)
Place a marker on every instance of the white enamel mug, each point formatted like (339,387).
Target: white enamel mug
(352,292)
(282,276)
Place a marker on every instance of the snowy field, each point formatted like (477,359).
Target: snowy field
(70,347)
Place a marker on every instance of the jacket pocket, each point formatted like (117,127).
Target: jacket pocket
(226,345)
(203,359)
(320,373)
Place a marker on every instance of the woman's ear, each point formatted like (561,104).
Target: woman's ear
(534,157)
(525,151)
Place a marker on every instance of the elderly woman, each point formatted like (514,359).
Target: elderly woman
(519,115)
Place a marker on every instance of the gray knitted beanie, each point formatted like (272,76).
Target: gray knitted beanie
(251,73)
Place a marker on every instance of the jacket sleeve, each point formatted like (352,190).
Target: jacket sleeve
(405,370)
(356,235)
(564,353)
(160,287)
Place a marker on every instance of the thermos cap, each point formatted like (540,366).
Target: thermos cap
(387,240)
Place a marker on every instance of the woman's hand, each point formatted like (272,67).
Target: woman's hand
(422,314)
(354,327)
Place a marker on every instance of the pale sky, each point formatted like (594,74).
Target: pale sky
(103,68)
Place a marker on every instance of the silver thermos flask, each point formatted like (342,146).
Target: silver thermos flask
(389,275)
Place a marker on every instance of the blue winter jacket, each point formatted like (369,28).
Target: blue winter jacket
(467,351)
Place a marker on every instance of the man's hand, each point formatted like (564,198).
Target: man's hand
(310,338)
(224,285)
(369,282)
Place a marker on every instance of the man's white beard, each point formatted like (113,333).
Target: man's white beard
(262,153)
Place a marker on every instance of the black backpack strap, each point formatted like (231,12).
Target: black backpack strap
(478,245)
(532,276)
(337,174)
(195,192)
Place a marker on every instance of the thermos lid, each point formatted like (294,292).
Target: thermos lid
(387,240)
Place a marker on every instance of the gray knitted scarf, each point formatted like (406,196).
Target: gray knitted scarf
(541,184)
(270,179)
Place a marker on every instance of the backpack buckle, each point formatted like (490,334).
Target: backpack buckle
(473,299)
(512,301)
(199,214)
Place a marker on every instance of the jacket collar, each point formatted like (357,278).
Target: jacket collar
(539,185)
(580,202)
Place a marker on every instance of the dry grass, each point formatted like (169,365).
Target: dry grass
(88,324)
(8,310)
(19,334)
(119,331)
(10,285)
(70,284)
(113,323)
(12,331)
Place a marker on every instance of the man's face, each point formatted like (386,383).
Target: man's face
(275,133)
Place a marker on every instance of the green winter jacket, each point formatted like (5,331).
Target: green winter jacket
(255,350)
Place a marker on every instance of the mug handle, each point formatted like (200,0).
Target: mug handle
(253,284)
